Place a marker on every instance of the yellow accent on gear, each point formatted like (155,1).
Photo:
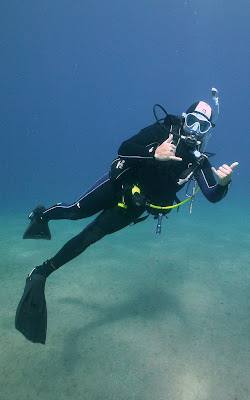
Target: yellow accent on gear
(175,205)
(135,189)
(122,205)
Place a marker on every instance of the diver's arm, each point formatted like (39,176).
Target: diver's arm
(212,190)
(138,150)
(142,147)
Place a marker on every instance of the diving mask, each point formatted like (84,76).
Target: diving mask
(197,123)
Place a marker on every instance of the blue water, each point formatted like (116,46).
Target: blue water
(136,317)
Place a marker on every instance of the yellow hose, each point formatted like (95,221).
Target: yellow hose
(175,205)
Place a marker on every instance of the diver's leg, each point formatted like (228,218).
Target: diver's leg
(99,196)
(31,314)
(109,221)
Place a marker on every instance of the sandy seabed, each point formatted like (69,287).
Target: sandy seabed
(137,316)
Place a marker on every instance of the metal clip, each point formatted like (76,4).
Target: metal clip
(158,227)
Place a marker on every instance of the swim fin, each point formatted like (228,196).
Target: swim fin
(31,314)
(38,227)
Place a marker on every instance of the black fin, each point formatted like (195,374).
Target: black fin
(37,230)
(31,314)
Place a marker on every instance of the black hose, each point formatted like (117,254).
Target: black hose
(162,119)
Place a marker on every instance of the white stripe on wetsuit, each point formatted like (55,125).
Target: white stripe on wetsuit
(81,198)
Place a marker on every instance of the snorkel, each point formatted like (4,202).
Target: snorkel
(215,95)
(216,111)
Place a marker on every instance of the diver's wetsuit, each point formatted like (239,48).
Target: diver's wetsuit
(159,181)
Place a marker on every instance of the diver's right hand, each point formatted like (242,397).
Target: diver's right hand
(166,151)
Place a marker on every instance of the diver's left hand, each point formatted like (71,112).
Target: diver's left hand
(224,173)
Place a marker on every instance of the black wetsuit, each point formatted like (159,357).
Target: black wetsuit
(159,181)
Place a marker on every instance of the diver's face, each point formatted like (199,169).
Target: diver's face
(196,124)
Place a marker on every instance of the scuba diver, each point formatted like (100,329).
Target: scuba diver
(150,169)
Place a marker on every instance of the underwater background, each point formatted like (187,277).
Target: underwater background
(137,316)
